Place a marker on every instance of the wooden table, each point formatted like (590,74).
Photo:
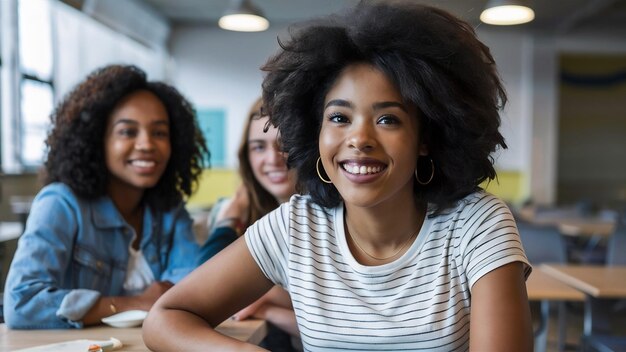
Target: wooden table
(252,331)
(570,224)
(542,287)
(590,227)
(595,281)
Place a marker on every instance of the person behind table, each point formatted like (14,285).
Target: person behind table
(266,183)
(389,114)
(109,231)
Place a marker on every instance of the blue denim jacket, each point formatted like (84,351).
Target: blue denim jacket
(74,250)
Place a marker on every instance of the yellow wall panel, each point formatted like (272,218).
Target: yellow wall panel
(214,184)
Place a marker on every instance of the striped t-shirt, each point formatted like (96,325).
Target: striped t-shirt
(421,301)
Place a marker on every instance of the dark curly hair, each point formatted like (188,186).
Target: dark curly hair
(76,148)
(435,61)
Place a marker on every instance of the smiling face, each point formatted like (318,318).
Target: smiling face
(137,142)
(268,162)
(369,138)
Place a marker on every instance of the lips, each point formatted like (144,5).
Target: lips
(143,163)
(277,176)
(144,166)
(363,168)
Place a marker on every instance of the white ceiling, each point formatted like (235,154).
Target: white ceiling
(562,16)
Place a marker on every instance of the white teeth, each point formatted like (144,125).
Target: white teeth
(276,173)
(143,163)
(362,170)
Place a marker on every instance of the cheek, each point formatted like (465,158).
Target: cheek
(167,150)
(112,149)
(326,141)
(256,161)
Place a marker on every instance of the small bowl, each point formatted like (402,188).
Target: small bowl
(128,319)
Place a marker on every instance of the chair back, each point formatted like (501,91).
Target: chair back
(616,246)
(542,244)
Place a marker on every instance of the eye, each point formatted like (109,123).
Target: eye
(388,120)
(127,132)
(161,133)
(257,147)
(338,117)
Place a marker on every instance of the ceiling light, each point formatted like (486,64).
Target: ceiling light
(507,12)
(243,16)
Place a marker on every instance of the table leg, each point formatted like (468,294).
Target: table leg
(541,333)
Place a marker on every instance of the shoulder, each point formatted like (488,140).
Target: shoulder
(476,215)
(305,202)
(57,196)
(303,206)
(299,211)
(481,203)
(57,189)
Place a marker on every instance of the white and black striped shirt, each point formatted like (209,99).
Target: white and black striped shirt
(421,301)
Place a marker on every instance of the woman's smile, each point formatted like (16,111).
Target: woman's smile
(356,168)
(144,166)
(369,142)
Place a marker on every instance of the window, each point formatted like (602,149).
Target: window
(49,47)
(36,88)
(1,79)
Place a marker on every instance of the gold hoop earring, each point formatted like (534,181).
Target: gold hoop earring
(317,167)
(432,174)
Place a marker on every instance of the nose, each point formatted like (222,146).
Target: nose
(144,142)
(361,136)
(275,156)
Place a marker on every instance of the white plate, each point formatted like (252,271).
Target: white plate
(126,319)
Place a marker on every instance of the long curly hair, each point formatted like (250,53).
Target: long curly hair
(262,201)
(436,62)
(76,142)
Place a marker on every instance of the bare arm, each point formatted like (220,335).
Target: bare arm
(275,307)
(500,317)
(184,317)
(238,207)
(107,306)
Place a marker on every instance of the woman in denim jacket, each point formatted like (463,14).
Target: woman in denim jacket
(109,232)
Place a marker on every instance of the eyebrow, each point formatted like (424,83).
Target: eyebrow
(338,102)
(133,122)
(389,104)
(375,106)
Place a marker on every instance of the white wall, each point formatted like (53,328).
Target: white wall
(215,68)
(83,44)
(512,52)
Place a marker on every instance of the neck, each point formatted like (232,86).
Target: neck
(383,232)
(282,200)
(128,203)
(126,200)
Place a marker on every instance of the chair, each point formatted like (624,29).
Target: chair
(617,244)
(601,340)
(544,244)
